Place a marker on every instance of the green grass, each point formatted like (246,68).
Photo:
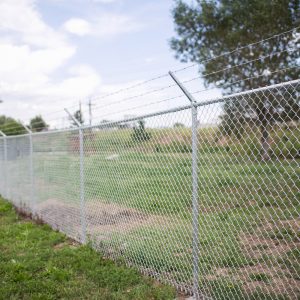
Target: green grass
(259,277)
(39,263)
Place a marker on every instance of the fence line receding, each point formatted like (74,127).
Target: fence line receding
(205,196)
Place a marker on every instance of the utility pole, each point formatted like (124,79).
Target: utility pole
(90,111)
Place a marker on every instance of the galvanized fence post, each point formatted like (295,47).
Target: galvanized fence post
(195,201)
(32,175)
(195,205)
(5,164)
(82,200)
(81,175)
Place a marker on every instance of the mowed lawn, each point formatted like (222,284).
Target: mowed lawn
(39,263)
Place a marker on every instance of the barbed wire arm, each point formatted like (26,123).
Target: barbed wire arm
(73,118)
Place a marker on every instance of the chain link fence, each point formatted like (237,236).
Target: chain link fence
(205,196)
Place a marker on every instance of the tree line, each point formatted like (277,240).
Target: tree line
(11,126)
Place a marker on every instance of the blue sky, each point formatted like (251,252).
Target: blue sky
(141,51)
(54,53)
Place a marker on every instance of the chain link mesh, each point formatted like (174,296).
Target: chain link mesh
(131,192)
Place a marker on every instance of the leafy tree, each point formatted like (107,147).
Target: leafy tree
(38,124)
(208,29)
(10,126)
(178,125)
(104,121)
(139,132)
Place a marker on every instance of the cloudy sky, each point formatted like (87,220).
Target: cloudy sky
(55,52)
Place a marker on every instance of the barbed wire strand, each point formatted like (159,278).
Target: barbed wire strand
(171,98)
(95,98)
(186,81)
(236,49)
(181,69)
(195,92)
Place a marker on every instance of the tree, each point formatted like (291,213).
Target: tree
(78,116)
(10,126)
(178,125)
(38,124)
(139,132)
(210,29)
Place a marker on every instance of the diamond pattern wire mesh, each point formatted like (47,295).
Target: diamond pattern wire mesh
(138,194)
(18,171)
(137,187)
(56,170)
(249,203)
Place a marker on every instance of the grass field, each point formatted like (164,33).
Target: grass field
(138,206)
(38,263)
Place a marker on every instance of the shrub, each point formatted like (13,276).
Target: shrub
(139,133)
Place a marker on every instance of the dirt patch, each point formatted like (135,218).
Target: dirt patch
(57,214)
(106,218)
(292,225)
(223,141)
(102,219)
(267,275)
(26,215)
(277,281)
(256,247)
(268,242)
(276,286)
(260,278)
(67,243)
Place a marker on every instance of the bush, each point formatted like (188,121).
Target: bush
(139,133)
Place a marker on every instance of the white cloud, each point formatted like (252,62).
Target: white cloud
(31,55)
(82,81)
(36,75)
(106,25)
(21,19)
(34,49)
(77,26)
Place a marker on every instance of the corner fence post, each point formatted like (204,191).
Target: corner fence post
(5,164)
(81,175)
(195,205)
